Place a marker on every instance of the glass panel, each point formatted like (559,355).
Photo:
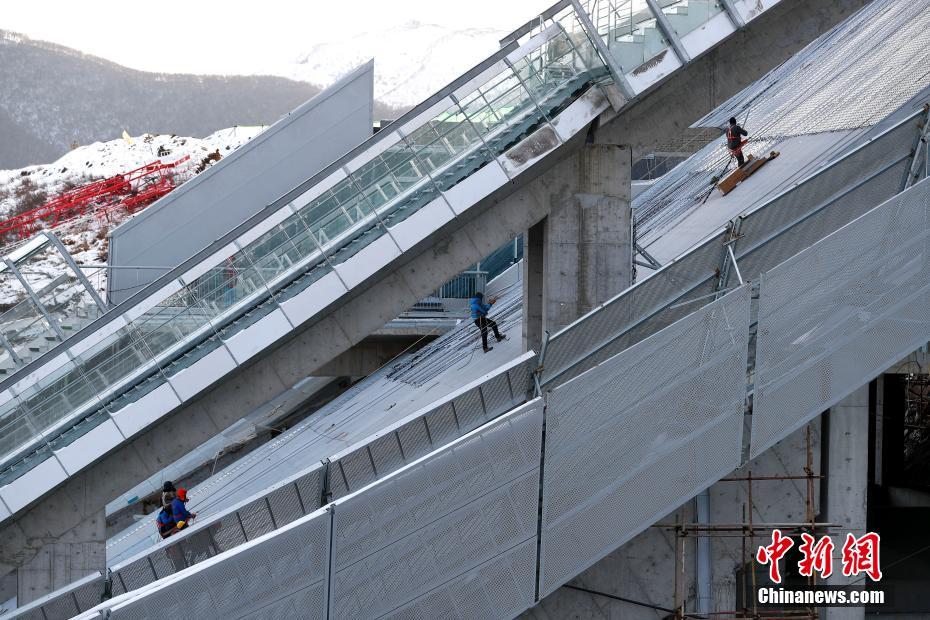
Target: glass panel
(634,35)
(688,15)
(354,212)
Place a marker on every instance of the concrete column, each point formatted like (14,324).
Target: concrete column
(534,241)
(585,240)
(60,561)
(847,483)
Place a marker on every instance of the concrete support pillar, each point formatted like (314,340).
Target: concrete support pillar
(533,269)
(60,561)
(585,242)
(847,483)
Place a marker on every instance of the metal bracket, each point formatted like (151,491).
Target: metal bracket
(537,386)
(615,70)
(53,238)
(728,259)
(733,14)
(919,149)
(653,263)
(669,31)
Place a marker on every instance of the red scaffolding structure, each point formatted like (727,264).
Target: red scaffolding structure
(127,192)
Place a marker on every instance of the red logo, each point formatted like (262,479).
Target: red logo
(772,553)
(860,555)
(818,556)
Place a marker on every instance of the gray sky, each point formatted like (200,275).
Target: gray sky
(213,36)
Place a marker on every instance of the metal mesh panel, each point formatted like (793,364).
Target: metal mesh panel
(290,566)
(415,437)
(468,410)
(501,588)
(337,482)
(228,535)
(88,595)
(521,382)
(636,502)
(62,608)
(612,322)
(496,396)
(668,409)
(357,468)
(137,574)
(463,506)
(840,312)
(310,488)
(442,427)
(32,614)
(256,518)
(285,505)
(385,451)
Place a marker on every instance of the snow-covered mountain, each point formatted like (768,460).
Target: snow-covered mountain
(412,60)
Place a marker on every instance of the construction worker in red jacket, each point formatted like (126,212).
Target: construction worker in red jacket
(735,141)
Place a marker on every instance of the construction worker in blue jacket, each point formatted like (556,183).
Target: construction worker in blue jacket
(479,312)
(165,522)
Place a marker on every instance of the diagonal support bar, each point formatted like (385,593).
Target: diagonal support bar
(77,270)
(669,31)
(615,71)
(653,263)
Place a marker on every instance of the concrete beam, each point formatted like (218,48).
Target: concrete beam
(371,354)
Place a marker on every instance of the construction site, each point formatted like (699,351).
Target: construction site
(702,229)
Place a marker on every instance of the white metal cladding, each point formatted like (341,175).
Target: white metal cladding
(433,527)
(63,604)
(499,588)
(838,313)
(428,431)
(667,412)
(283,575)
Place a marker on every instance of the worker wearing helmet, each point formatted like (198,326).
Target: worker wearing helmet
(735,141)
(179,511)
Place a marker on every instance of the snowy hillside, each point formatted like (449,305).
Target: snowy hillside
(412,61)
(86,237)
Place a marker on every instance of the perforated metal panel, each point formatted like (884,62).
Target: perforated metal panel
(500,588)
(811,210)
(286,570)
(64,603)
(281,505)
(440,424)
(433,525)
(667,412)
(613,327)
(840,312)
